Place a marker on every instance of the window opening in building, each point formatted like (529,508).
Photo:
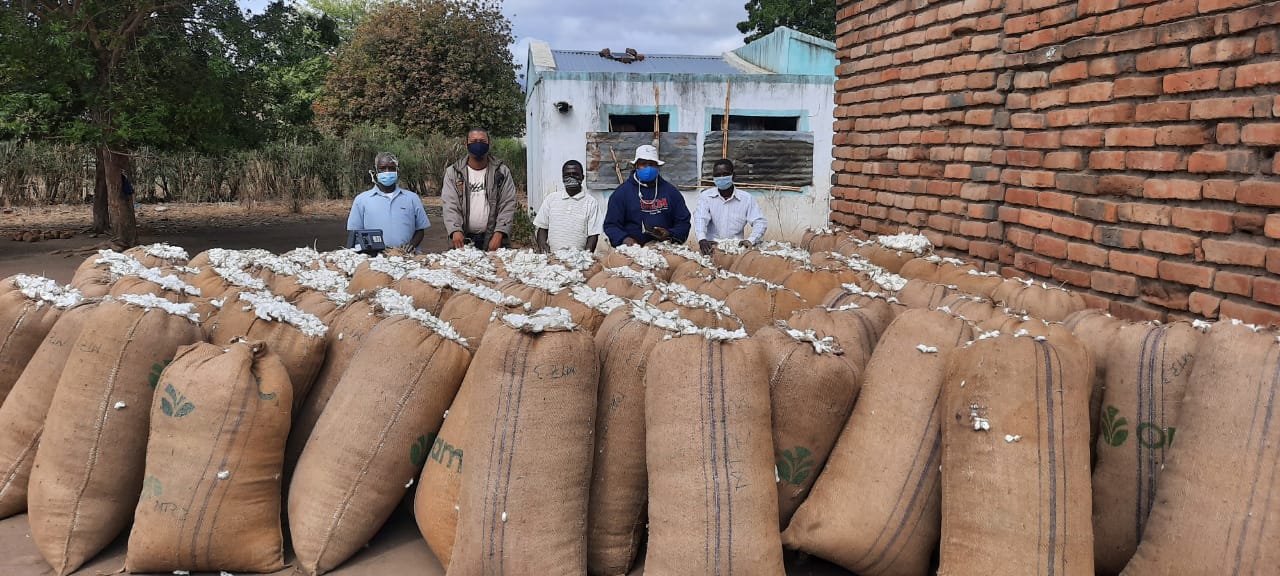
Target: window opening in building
(742,122)
(638,122)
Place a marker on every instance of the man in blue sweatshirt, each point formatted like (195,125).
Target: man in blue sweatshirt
(645,207)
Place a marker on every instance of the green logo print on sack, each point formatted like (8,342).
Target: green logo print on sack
(796,465)
(176,405)
(421,449)
(151,488)
(156,370)
(1115,431)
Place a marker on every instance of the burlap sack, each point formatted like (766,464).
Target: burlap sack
(167,286)
(89,467)
(322,305)
(370,441)
(1148,370)
(973,282)
(471,312)
(1015,458)
(814,284)
(29,307)
(972,308)
(853,295)
(24,410)
(698,308)
(524,509)
(640,258)
(616,515)
(587,306)
(712,500)
(1216,512)
(934,269)
(889,259)
(709,283)
(438,497)
(883,519)
(225,283)
(1038,299)
(93,278)
(812,386)
(624,282)
(297,337)
(347,333)
(158,255)
(211,497)
(757,264)
(429,288)
(923,294)
(759,303)
(380,272)
(1096,330)
(857,330)
(820,240)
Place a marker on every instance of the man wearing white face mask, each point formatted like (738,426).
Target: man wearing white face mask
(569,217)
(725,211)
(390,208)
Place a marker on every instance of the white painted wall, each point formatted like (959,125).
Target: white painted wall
(554,138)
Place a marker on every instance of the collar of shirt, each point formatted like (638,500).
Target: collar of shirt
(715,193)
(390,194)
(564,194)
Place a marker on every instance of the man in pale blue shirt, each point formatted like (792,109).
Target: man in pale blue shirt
(390,208)
(723,212)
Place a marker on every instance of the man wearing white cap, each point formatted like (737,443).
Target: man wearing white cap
(645,207)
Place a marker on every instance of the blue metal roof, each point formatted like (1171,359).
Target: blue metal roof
(586,61)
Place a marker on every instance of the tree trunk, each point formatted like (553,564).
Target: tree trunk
(124,227)
(101,215)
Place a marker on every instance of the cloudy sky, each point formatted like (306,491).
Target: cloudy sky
(660,27)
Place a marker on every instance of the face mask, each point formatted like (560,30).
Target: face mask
(572,184)
(724,182)
(647,174)
(388,178)
(478,149)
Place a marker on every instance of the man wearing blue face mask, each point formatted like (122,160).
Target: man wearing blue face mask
(645,207)
(725,211)
(479,197)
(390,208)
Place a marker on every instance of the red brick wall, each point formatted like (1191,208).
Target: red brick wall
(1127,148)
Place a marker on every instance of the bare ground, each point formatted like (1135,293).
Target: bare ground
(196,227)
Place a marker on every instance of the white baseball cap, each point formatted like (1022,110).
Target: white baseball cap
(647,152)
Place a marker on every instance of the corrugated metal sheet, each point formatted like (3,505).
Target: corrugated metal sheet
(584,61)
(678,149)
(764,157)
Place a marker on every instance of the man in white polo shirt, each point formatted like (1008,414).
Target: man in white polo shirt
(390,208)
(724,212)
(569,217)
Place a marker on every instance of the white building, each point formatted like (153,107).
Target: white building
(595,107)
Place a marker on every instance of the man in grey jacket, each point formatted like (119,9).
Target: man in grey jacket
(479,197)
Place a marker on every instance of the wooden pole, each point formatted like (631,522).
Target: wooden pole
(616,169)
(724,121)
(657,120)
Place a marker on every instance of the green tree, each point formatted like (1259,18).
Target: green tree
(426,66)
(814,17)
(119,74)
(346,13)
(290,53)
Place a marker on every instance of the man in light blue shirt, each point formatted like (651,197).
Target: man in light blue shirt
(390,208)
(724,213)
